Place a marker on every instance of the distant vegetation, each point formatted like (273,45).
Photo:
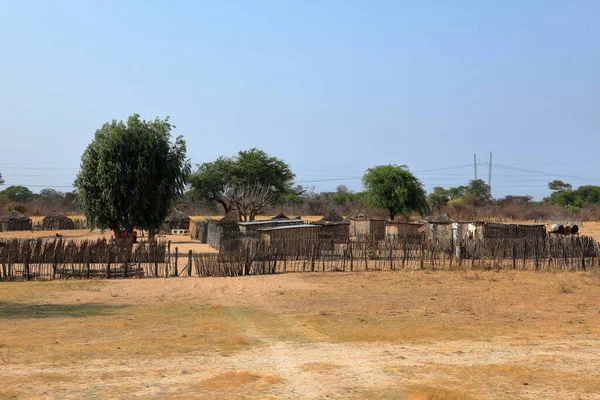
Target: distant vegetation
(253,182)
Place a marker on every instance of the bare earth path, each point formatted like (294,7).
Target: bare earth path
(379,335)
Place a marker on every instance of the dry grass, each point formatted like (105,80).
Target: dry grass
(433,393)
(239,381)
(319,367)
(356,335)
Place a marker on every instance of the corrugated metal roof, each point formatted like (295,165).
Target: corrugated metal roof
(303,226)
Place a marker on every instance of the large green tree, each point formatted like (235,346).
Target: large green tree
(246,183)
(130,175)
(19,194)
(395,189)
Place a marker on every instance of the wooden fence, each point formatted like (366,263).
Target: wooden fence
(22,259)
(556,253)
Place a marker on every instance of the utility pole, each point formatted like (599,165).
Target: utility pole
(474,166)
(490,175)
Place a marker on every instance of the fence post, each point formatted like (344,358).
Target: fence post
(351,258)
(175,272)
(189,266)
(108,265)
(26,266)
(54,265)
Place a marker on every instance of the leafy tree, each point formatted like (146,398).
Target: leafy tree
(19,194)
(343,196)
(438,198)
(563,194)
(480,190)
(559,186)
(476,190)
(130,175)
(1,180)
(246,183)
(395,189)
(587,194)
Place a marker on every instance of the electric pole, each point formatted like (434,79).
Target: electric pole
(474,166)
(490,173)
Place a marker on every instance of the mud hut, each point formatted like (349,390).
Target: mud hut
(55,222)
(15,221)
(178,222)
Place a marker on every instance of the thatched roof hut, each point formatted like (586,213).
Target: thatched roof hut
(15,221)
(178,220)
(55,221)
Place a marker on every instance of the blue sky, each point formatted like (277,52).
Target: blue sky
(332,87)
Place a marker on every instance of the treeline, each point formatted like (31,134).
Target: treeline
(22,199)
(253,183)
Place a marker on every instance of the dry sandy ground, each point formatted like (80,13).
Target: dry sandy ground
(378,335)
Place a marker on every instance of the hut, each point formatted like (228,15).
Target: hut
(403,230)
(291,240)
(281,216)
(363,228)
(178,223)
(334,230)
(55,221)
(493,230)
(15,221)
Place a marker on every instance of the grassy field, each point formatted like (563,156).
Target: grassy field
(378,335)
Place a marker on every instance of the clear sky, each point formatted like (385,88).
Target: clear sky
(332,87)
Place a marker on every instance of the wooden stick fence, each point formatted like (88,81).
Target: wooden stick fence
(22,259)
(40,259)
(255,257)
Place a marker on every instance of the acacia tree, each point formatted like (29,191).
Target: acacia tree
(395,189)
(131,174)
(246,183)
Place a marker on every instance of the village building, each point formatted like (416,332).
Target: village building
(15,221)
(178,223)
(55,221)
(291,240)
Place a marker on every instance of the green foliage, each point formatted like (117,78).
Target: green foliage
(564,195)
(295,196)
(438,198)
(559,186)
(19,194)
(395,189)
(131,174)
(343,196)
(476,191)
(1,180)
(252,177)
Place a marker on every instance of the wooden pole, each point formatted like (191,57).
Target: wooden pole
(189,266)
(175,271)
